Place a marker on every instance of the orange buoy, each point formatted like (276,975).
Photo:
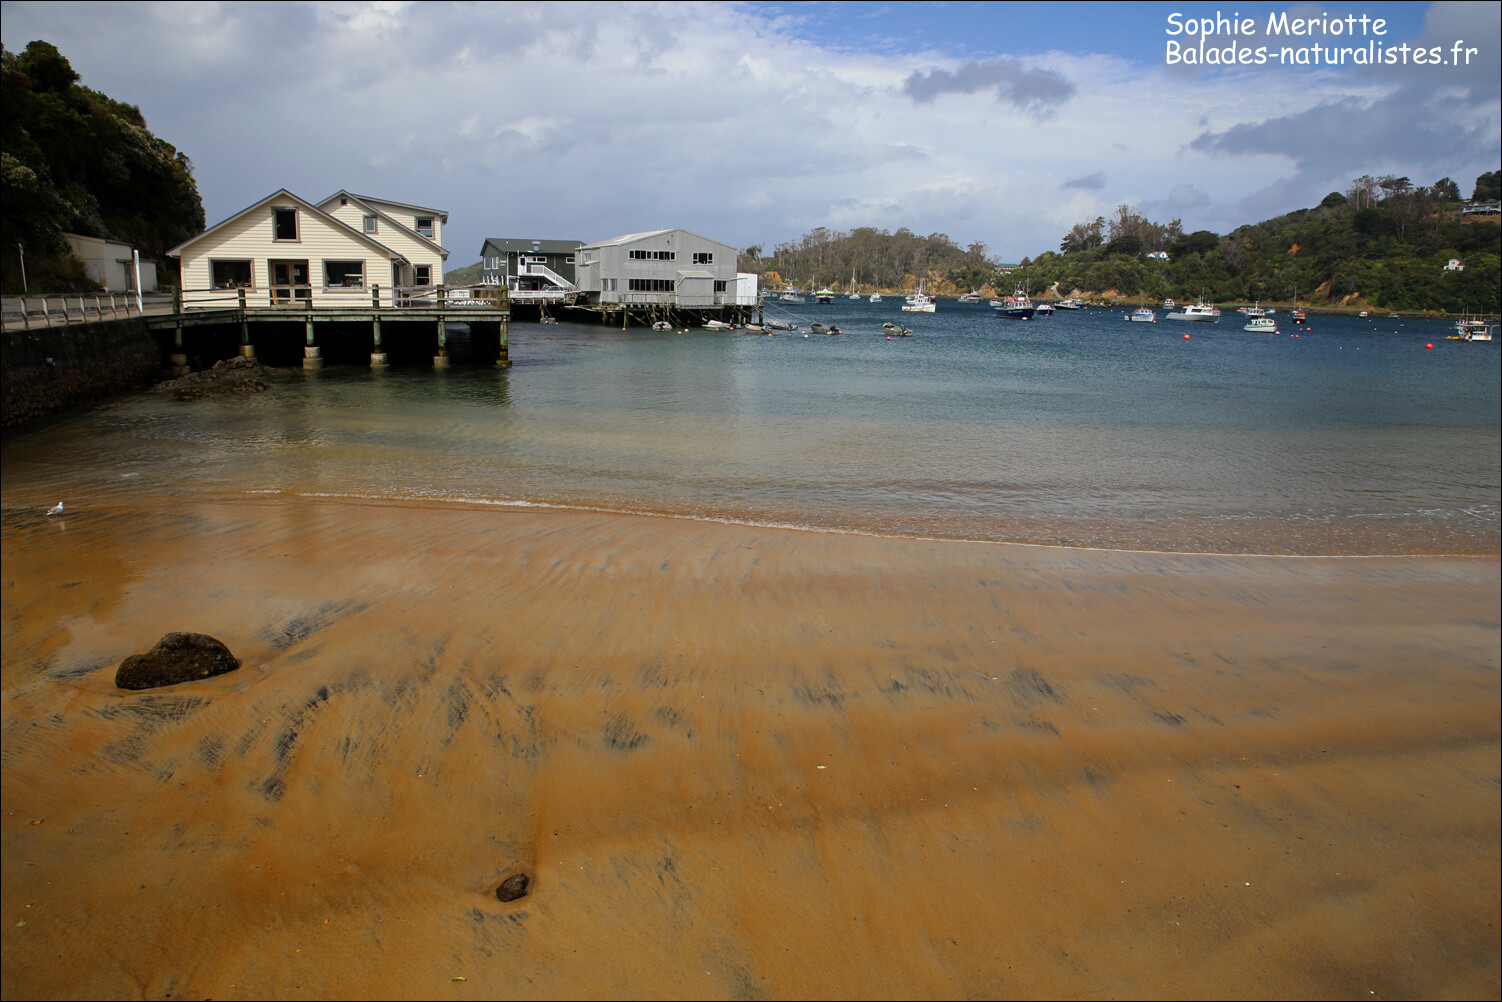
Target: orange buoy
(1186,337)
(1429,346)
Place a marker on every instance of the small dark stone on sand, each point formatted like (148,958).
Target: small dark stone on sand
(513,887)
(177,657)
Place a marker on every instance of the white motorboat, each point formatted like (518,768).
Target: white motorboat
(790,295)
(717,325)
(1143,315)
(1045,308)
(875,297)
(1261,325)
(918,302)
(1071,304)
(1168,304)
(1199,311)
(1473,330)
(973,296)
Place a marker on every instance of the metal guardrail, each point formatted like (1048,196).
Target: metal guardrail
(52,309)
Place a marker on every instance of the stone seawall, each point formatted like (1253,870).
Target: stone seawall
(43,371)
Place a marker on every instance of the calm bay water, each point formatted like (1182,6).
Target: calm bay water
(1079,429)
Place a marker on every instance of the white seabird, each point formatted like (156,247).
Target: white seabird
(56,509)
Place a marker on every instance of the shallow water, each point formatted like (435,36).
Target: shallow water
(1078,429)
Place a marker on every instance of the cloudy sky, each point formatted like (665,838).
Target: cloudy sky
(754,123)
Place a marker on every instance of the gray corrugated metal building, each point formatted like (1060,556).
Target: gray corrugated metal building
(658,268)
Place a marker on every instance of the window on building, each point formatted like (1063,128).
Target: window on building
(422,274)
(285,223)
(344,274)
(425,226)
(231,274)
(703,257)
(650,285)
(569,259)
(721,286)
(651,255)
(370,224)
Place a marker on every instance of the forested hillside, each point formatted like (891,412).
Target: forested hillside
(75,160)
(1382,242)
(877,259)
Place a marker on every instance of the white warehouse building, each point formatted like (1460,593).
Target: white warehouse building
(662,268)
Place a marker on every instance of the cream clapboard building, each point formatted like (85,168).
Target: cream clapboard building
(285,250)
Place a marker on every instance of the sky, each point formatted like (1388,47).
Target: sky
(755,123)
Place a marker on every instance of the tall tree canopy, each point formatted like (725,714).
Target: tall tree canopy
(77,161)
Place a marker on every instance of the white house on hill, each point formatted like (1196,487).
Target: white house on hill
(285,250)
(659,267)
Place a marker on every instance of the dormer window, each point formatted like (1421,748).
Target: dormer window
(284,223)
(425,226)
(370,224)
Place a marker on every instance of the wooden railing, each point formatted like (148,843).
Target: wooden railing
(318,297)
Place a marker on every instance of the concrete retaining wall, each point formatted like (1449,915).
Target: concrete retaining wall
(43,371)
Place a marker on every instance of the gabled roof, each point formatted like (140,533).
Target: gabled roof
(631,238)
(364,203)
(442,214)
(282,194)
(507,244)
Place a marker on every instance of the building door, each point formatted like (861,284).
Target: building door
(289,281)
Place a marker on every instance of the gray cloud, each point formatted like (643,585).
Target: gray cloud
(1090,182)
(1036,91)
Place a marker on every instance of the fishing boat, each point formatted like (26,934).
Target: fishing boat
(1261,325)
(790,295)
(1200,311)
(1473,329)
(1017,306)
(918,302)
(875,297)
(1142,315)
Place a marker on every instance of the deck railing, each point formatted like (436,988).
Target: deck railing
(338,297)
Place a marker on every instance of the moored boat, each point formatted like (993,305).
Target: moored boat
(896,330)
(1261,325)
(918,302)
(1200,311)
(1017,306)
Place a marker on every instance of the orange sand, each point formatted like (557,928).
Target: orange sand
(737,762)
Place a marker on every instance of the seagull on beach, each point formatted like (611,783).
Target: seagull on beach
(56,509)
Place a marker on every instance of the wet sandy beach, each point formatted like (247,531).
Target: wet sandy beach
(737,762)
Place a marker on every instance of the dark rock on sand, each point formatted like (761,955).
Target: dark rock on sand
(513,887)
(231,375)
(177,657)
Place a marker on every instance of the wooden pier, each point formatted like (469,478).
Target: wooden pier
(404,322)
